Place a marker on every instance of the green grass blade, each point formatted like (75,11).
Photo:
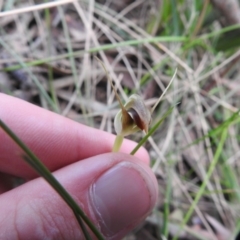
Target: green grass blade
(69,44)
(152,130)
(123,44)
(71,54)
(50,69)
(175,18)
(100,48)
(83,227)
(41,169)
(206,179)
(235,118)
(166,204)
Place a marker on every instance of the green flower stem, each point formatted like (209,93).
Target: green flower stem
(41,169)
(117,143)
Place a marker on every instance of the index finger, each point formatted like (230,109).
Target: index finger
(56,140)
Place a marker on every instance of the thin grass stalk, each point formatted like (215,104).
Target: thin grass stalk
(206,179)
(71,54)
(229,174)
(97,49)
(166,204)
(35,7)
(154,68)
(50,69)
(236,231)
(41,169)
(152,130)
(83,227)
(234,119)
(69,44)
(175,17)
(35,80)
(201,18)
(123,44)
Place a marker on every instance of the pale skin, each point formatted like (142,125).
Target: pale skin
(80,158)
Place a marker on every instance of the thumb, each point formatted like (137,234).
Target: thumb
(116,191)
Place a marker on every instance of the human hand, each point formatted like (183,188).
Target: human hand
(116,190)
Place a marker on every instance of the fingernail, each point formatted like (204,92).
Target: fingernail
(121,197)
